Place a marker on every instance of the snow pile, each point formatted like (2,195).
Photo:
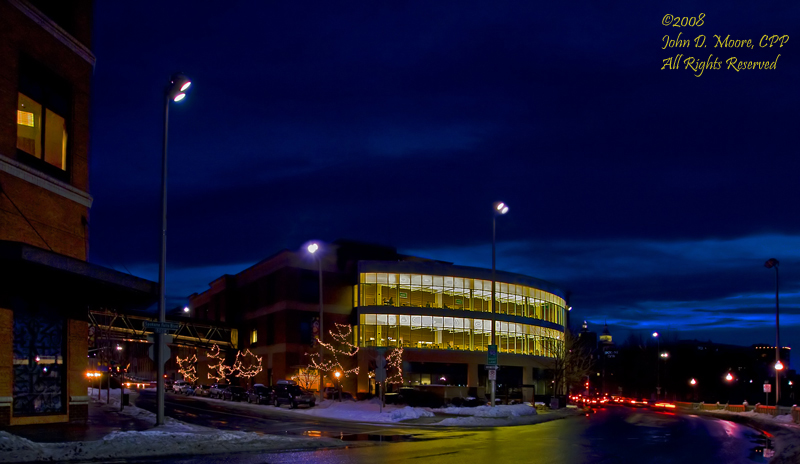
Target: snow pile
(514,410)
(364,411)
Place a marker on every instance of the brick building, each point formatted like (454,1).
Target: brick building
(46,283)
(439,313)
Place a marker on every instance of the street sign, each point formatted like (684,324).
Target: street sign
(767,388)
(161,327)
(492,374)
(165,352)
(492,361)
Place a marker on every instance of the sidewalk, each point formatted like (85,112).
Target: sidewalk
(103,420)
(132,433)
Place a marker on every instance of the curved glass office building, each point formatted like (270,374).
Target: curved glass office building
(442,314)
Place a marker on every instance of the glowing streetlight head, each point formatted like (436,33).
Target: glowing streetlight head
(655,334)
(500,207)
(729,377)
(178,84)
(570,308)
(313,248)
(778,366)
(772,262)
(186,309)
(693,382)
(119,347)
(337,374)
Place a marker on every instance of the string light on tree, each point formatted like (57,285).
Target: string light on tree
(188,368)
(394,364)
(247,364)
(218,371)
(345,348)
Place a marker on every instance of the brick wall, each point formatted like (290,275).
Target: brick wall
(58,220)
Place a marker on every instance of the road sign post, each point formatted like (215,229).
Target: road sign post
(165,351)
(492,356)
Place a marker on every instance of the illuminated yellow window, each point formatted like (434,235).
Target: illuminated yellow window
(253,336)
(41,132)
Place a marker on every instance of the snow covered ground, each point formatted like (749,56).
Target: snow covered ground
(172,438)
(179,438)
(370,411)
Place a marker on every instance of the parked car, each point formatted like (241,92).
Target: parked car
(260,394)
(202,390)
(288,392)
(234,393)
(189,390)
(179,386)
(216,390)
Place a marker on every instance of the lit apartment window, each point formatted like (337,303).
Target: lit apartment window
(43,109)
(253,336)
(41,132)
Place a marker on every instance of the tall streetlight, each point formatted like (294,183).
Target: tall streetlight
(658,371)
(773,263)
(174,91)
(313,248)
(499,209)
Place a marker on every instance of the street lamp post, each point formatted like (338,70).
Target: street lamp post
(499,209)
(313,250)
(773,263)
(338,385)
(175,91)
(658,357)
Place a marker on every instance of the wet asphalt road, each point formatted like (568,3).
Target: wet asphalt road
(267,419)
(610,435)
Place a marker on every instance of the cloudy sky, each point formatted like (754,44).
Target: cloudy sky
(653,195)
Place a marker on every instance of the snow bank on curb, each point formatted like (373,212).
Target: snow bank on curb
(514,410)
(365,411)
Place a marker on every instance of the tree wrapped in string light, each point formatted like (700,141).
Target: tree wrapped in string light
(188,368)
(218,371)
(394,366)
(343,349)
(247,364)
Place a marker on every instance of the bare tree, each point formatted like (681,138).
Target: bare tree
(573,363)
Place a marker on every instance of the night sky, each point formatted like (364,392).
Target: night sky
(654,196)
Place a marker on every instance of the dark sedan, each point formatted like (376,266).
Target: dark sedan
(259,395)
(234,393)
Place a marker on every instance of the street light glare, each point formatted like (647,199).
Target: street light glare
(655,334)
(186,86)
(693,382)
(313,248)
(729,377)
(179,97)
(501,207)
(186,309)
(778,366)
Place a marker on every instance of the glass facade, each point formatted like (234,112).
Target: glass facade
(432,291)
(456,333)
(410,329)
(39,371)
